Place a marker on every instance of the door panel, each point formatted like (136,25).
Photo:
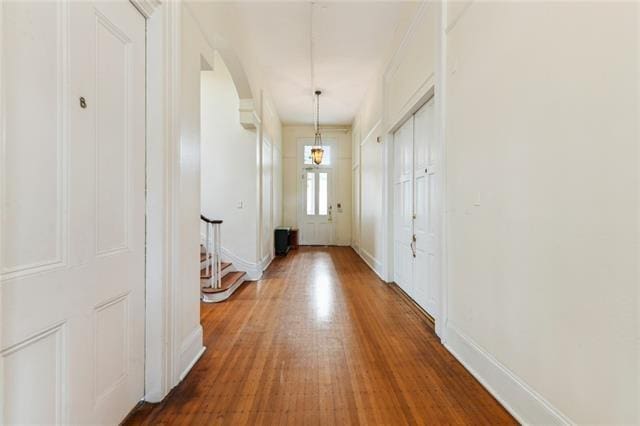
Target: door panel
(41,32)
(72,342)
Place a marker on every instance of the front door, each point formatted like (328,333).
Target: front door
(316,197)
(73,225)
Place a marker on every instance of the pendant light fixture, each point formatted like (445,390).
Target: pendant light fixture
(317,152)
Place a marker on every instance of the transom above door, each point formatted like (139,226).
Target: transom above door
(315,194)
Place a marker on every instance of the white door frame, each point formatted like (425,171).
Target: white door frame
(301,142)
(163,170)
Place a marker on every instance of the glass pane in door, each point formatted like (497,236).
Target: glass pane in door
(322,194)
(311,194)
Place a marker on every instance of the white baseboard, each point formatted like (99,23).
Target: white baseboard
(253,269)
(264,263)
(372,262)
(525,404)
(190,351)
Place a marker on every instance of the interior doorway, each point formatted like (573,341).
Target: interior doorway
(316,192)
(417,208)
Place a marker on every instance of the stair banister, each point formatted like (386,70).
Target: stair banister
(213,250)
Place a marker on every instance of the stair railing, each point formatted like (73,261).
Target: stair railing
(213,250)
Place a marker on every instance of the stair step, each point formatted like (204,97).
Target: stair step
(227,281)
(205,273)
(203,257)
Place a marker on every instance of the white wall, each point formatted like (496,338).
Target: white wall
(188,328)
(271,178)
(542,141)
(392,96)
(368,166)
(229,169)
(540,105)
(342,176)
(266,165)
(278,187)
(242,166)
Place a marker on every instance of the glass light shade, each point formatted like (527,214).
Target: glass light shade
(316,154)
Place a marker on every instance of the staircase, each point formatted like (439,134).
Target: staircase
(218,279)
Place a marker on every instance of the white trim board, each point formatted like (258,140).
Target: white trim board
(524,403)
(374,264)
(254,270)
(162,354)
(190,351)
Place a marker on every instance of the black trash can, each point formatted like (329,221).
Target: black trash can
(281,240)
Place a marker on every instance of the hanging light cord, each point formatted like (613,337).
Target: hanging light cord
(318,136)
(311,48)
(317,115)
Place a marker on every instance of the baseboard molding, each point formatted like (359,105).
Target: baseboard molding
(372,262)
(190,351)
(264,263)
(253,269)
(525,404)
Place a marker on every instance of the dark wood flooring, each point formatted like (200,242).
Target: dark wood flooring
(321,340)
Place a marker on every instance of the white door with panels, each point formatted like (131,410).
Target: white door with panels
(316,191)
(417,209)
(403,206)
(73,211)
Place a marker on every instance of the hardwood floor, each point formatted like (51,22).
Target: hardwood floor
(321,340)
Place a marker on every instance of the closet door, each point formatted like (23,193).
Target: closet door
(72,200)
(403,207)
(426,218)
(417,208)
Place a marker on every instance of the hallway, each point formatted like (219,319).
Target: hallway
(321,340)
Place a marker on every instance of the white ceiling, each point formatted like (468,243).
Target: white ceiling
(351,41)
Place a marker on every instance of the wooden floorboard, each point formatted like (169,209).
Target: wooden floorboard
(322,340)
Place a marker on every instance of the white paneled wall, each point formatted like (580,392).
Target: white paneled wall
(540,283)
(372,230)
(542,142)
